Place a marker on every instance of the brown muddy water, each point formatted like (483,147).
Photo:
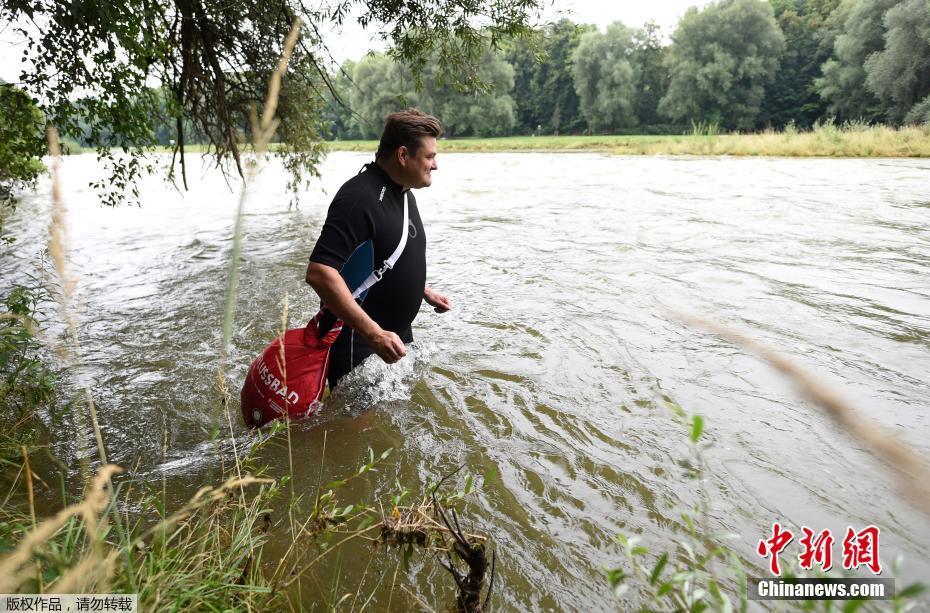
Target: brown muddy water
(557,365)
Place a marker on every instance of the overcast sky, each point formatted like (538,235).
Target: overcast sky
(353,43)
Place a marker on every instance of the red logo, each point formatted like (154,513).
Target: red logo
(859,548)
(818,549)
(774,546)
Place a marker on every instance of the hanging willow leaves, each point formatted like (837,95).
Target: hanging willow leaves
(109,74)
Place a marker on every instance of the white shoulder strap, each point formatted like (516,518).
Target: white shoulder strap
(376,274)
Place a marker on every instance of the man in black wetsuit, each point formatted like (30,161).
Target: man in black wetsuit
(363,228)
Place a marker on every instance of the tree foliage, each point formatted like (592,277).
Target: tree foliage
(900,73)
(605,79)
(22,141)
(549,102)
(212,59)
(720,61)
(380,84)
(791,97)
(479,111)
(854,32)
(651,77)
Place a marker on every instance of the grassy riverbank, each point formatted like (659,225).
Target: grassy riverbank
(823,141)
(212,553)
(829,140)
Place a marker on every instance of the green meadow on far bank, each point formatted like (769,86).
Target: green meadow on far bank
(823,141)
(828,140)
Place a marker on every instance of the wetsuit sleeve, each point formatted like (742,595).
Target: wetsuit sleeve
(347,226)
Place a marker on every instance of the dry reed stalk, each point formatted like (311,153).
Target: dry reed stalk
(262,136)
(57,241)
(418,600)
(912,472)
(32,502)
(204,496)
(32,507)
(88,576)
(282,364)
(269,123)
(94,503)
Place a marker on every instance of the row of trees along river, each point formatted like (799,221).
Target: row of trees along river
(736,65)
(739,65)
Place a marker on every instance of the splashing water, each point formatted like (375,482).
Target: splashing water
(374,381)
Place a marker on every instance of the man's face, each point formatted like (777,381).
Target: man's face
(418,167)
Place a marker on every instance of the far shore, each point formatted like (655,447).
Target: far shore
(822,141)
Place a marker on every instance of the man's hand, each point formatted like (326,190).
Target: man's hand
(387,345)
(332,290)
(439,302)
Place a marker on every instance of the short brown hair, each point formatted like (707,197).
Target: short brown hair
(405,129)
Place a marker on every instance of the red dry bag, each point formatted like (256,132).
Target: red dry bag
(292,386)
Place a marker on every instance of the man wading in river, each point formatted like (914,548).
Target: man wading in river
(363,229)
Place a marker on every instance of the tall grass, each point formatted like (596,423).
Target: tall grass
(27,383)
(823,140)
(211,554)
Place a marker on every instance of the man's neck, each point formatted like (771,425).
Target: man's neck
(392,171)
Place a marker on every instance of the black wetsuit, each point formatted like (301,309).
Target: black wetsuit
(362,229)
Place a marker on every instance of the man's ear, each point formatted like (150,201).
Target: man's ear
(403,154)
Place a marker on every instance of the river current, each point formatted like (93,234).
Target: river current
(555,372)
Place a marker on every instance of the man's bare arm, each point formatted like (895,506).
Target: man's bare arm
(329,285)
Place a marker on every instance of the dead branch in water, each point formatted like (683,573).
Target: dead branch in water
(428,525)
(471,551)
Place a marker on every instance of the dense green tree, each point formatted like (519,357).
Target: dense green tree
(486,111)
(792,97)
(22,142)
(544,91)
(651,76)
(338,119)
(557,107)
(213,59)
(919,113)
(720,61)
(380,86)
(604,78)
(900,74)
(853,33)
(525,55)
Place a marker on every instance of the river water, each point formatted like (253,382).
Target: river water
(555,370)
